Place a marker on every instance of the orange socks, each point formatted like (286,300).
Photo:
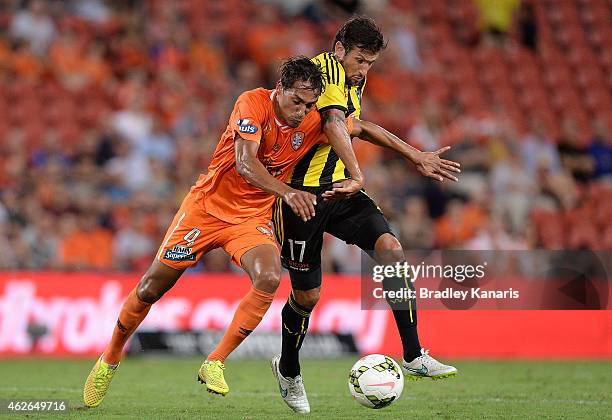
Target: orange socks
(249,313)
(132,313)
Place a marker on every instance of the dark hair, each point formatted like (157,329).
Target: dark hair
(361,32)
(301,69)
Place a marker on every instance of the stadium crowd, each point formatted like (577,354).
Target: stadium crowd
(109,110)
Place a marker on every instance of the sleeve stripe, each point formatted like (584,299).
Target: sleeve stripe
(334,70)
(327,69)
(337,72)
(337,68)
(331,69)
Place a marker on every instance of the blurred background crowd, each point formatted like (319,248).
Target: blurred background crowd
(109,110)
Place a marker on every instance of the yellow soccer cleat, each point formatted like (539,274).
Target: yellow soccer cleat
(211,375)
(97,383)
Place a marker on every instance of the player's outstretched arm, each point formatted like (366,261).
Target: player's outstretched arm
(429,164)
(255,173)
(334,126)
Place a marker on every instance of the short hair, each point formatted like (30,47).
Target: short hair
(361,32)
(301,69)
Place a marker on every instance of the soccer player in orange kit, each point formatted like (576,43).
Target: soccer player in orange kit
(268,132)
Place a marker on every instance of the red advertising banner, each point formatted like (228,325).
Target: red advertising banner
(78,312)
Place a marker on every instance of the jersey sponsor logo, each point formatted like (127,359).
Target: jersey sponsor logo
(179,253)
(246,126)
(297,140)
(295,265)
(180,249)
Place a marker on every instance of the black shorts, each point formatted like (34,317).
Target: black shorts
(356,220)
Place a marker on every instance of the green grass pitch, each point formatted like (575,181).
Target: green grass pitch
(148,388)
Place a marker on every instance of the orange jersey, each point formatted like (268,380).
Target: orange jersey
(227,195)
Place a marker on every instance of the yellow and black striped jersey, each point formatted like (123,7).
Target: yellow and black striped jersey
(321,166)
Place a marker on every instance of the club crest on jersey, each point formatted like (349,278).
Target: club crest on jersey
(297,140)
(246,126)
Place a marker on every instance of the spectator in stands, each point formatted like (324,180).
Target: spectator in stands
(415,227)
(601,151)
(427,132)
(405,42)
(460,223)
(574,156)
(496,17)
(133,123)
(494,234)
(157,144)
(24,63)
(528,25)
(538,149)
(133,246)
(129,169)
(101,115)
(512,187)
(84,244)
(558,189)
(35,26)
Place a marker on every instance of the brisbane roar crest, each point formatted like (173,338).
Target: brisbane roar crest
(297,139)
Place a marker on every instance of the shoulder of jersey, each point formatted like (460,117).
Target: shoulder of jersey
(334,72)
(258,94)
(259,98)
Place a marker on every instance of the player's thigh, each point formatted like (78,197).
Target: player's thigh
(252,246)
(237,240)
(301,242)
(262,264)
(359,221)
(304,281)
(190,235)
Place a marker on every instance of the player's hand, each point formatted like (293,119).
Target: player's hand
(430,164)
(302,203)
(342,190)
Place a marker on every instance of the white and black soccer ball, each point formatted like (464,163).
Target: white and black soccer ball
(376,381)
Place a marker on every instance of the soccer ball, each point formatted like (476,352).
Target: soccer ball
(376,381)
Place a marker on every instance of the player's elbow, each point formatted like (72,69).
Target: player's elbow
(240,167)
(243,167)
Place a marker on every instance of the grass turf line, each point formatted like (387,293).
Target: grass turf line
(167,388)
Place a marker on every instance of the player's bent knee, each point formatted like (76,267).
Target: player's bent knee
(267,280)
(389,250)
(147,292)
(156,282)
(307,298)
